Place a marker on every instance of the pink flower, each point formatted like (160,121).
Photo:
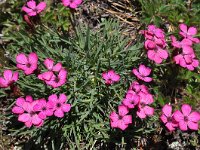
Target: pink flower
(72,3)
(167,118)
(131,99)
(187,119)
(188,33)
(157,55)
(27,64)
(149,44)
(110,77)
(45,109)
(143,73)
(33,9)
(8,78)
(49,63)
(18,109)
(55,76)
(186,61)
(138,89)
(183,43)
(121,120)
(152,31)
(56,80)
(59,104)
(143,109)
(24,108)
(46,76)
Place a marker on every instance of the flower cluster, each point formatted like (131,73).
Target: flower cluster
(137,95)
(55,76)
(34,112)
(186,57)
(32,9)
(155,44)
(183,119)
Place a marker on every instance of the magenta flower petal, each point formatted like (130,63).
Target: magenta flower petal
(149,44)
(167,110)
(33,58)
(66,2)
(73,5)
(178,116)
(49,112)
(15,76)
(36,120)
(114,117)
(193,125)
(183,125)
(183,27)
(28,123)
(114,124)
(33,13)
(66,107)
(141,114)
(24,117)
(157,58)
(162,53)
(122,125)
(31,4)
(187,50)
(29,98)
(186,109)
(59,113)
(145,71)
(22,59)
(8,74)
(57,67)
(53,98)
(46,75)
(17,110)
(116,77)
(123,110)
(149,110)
(49,63)
(62,74)
(194,116)
(192,31)
(170,126)
(62,98)
(26,9)
(40,7)
(127,119)
(147,79)
(163,118)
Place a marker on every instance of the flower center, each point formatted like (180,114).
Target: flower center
(120,117)
(142,105)
(185,118)
(32,113)
(169,119)
(58,105)
(44,108)
(57,79)
(28,65)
